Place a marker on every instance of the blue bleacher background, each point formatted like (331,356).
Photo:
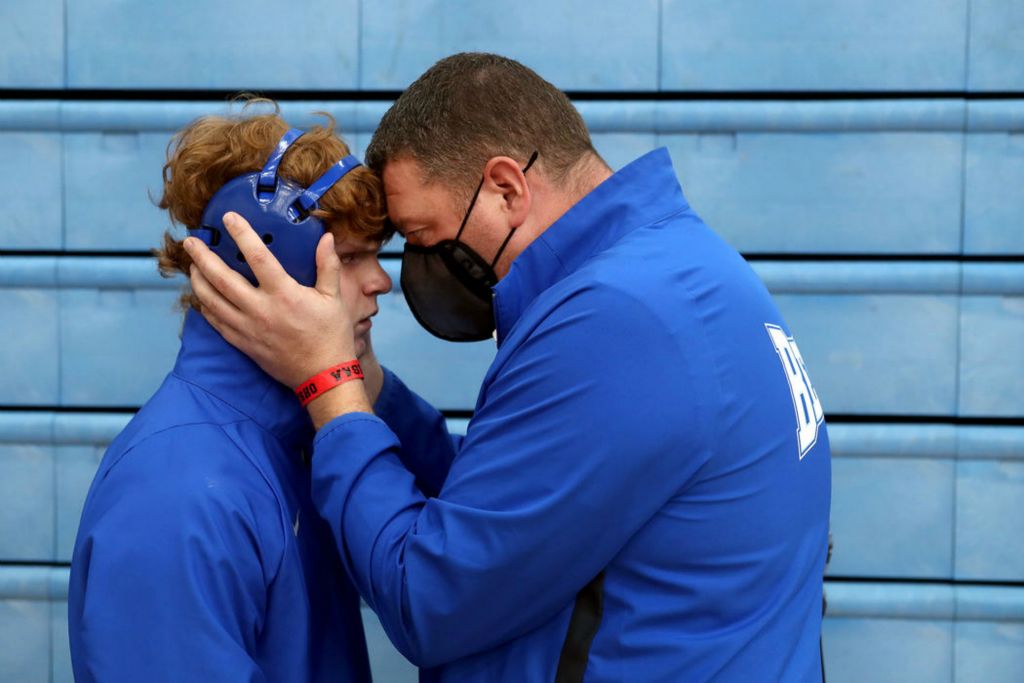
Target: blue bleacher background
(867,156)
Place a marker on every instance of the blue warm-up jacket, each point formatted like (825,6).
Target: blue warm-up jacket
(643,491)
(200,556)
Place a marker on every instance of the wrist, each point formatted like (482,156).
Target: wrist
(334,391)
(328,379)
(345,398)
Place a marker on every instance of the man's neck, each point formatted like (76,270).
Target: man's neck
(592,171)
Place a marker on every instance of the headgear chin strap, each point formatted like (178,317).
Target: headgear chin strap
(277,209)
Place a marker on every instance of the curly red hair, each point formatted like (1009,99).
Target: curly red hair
(212,150)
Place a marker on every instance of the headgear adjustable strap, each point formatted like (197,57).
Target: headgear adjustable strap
(308,199)
(268,176)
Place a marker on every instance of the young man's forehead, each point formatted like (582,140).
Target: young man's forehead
(355,243)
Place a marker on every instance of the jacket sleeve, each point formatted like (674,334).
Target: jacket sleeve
(428,449)
(170,568)
(574,447)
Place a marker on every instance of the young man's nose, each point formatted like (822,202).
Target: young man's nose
(378,282)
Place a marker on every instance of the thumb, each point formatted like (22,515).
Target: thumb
(328,267)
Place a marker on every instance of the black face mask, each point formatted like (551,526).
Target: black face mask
(448,285)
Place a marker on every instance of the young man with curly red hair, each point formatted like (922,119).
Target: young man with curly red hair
(200,555)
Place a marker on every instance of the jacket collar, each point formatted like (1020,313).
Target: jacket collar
(644,192)
(209,362)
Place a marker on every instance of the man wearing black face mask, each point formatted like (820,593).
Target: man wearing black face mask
(643,491)
(449,286)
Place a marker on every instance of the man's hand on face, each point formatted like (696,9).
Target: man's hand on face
(292,332)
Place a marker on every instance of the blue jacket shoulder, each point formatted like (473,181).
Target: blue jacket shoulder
(184,480)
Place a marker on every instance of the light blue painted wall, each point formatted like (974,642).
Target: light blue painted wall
(191,43)
(614,45)
(801,45)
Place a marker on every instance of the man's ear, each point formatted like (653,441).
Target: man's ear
(504,178)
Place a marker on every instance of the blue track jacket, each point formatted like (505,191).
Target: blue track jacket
(643,491)
(200,556)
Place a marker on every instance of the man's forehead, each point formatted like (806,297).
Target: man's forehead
(409,198)
(402,176)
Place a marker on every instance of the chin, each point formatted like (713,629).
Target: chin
(360,347)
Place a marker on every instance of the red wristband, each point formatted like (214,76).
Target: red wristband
(327,380)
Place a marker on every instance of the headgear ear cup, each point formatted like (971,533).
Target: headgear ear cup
(277,209)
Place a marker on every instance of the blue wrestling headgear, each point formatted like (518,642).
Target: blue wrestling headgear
(277,209)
